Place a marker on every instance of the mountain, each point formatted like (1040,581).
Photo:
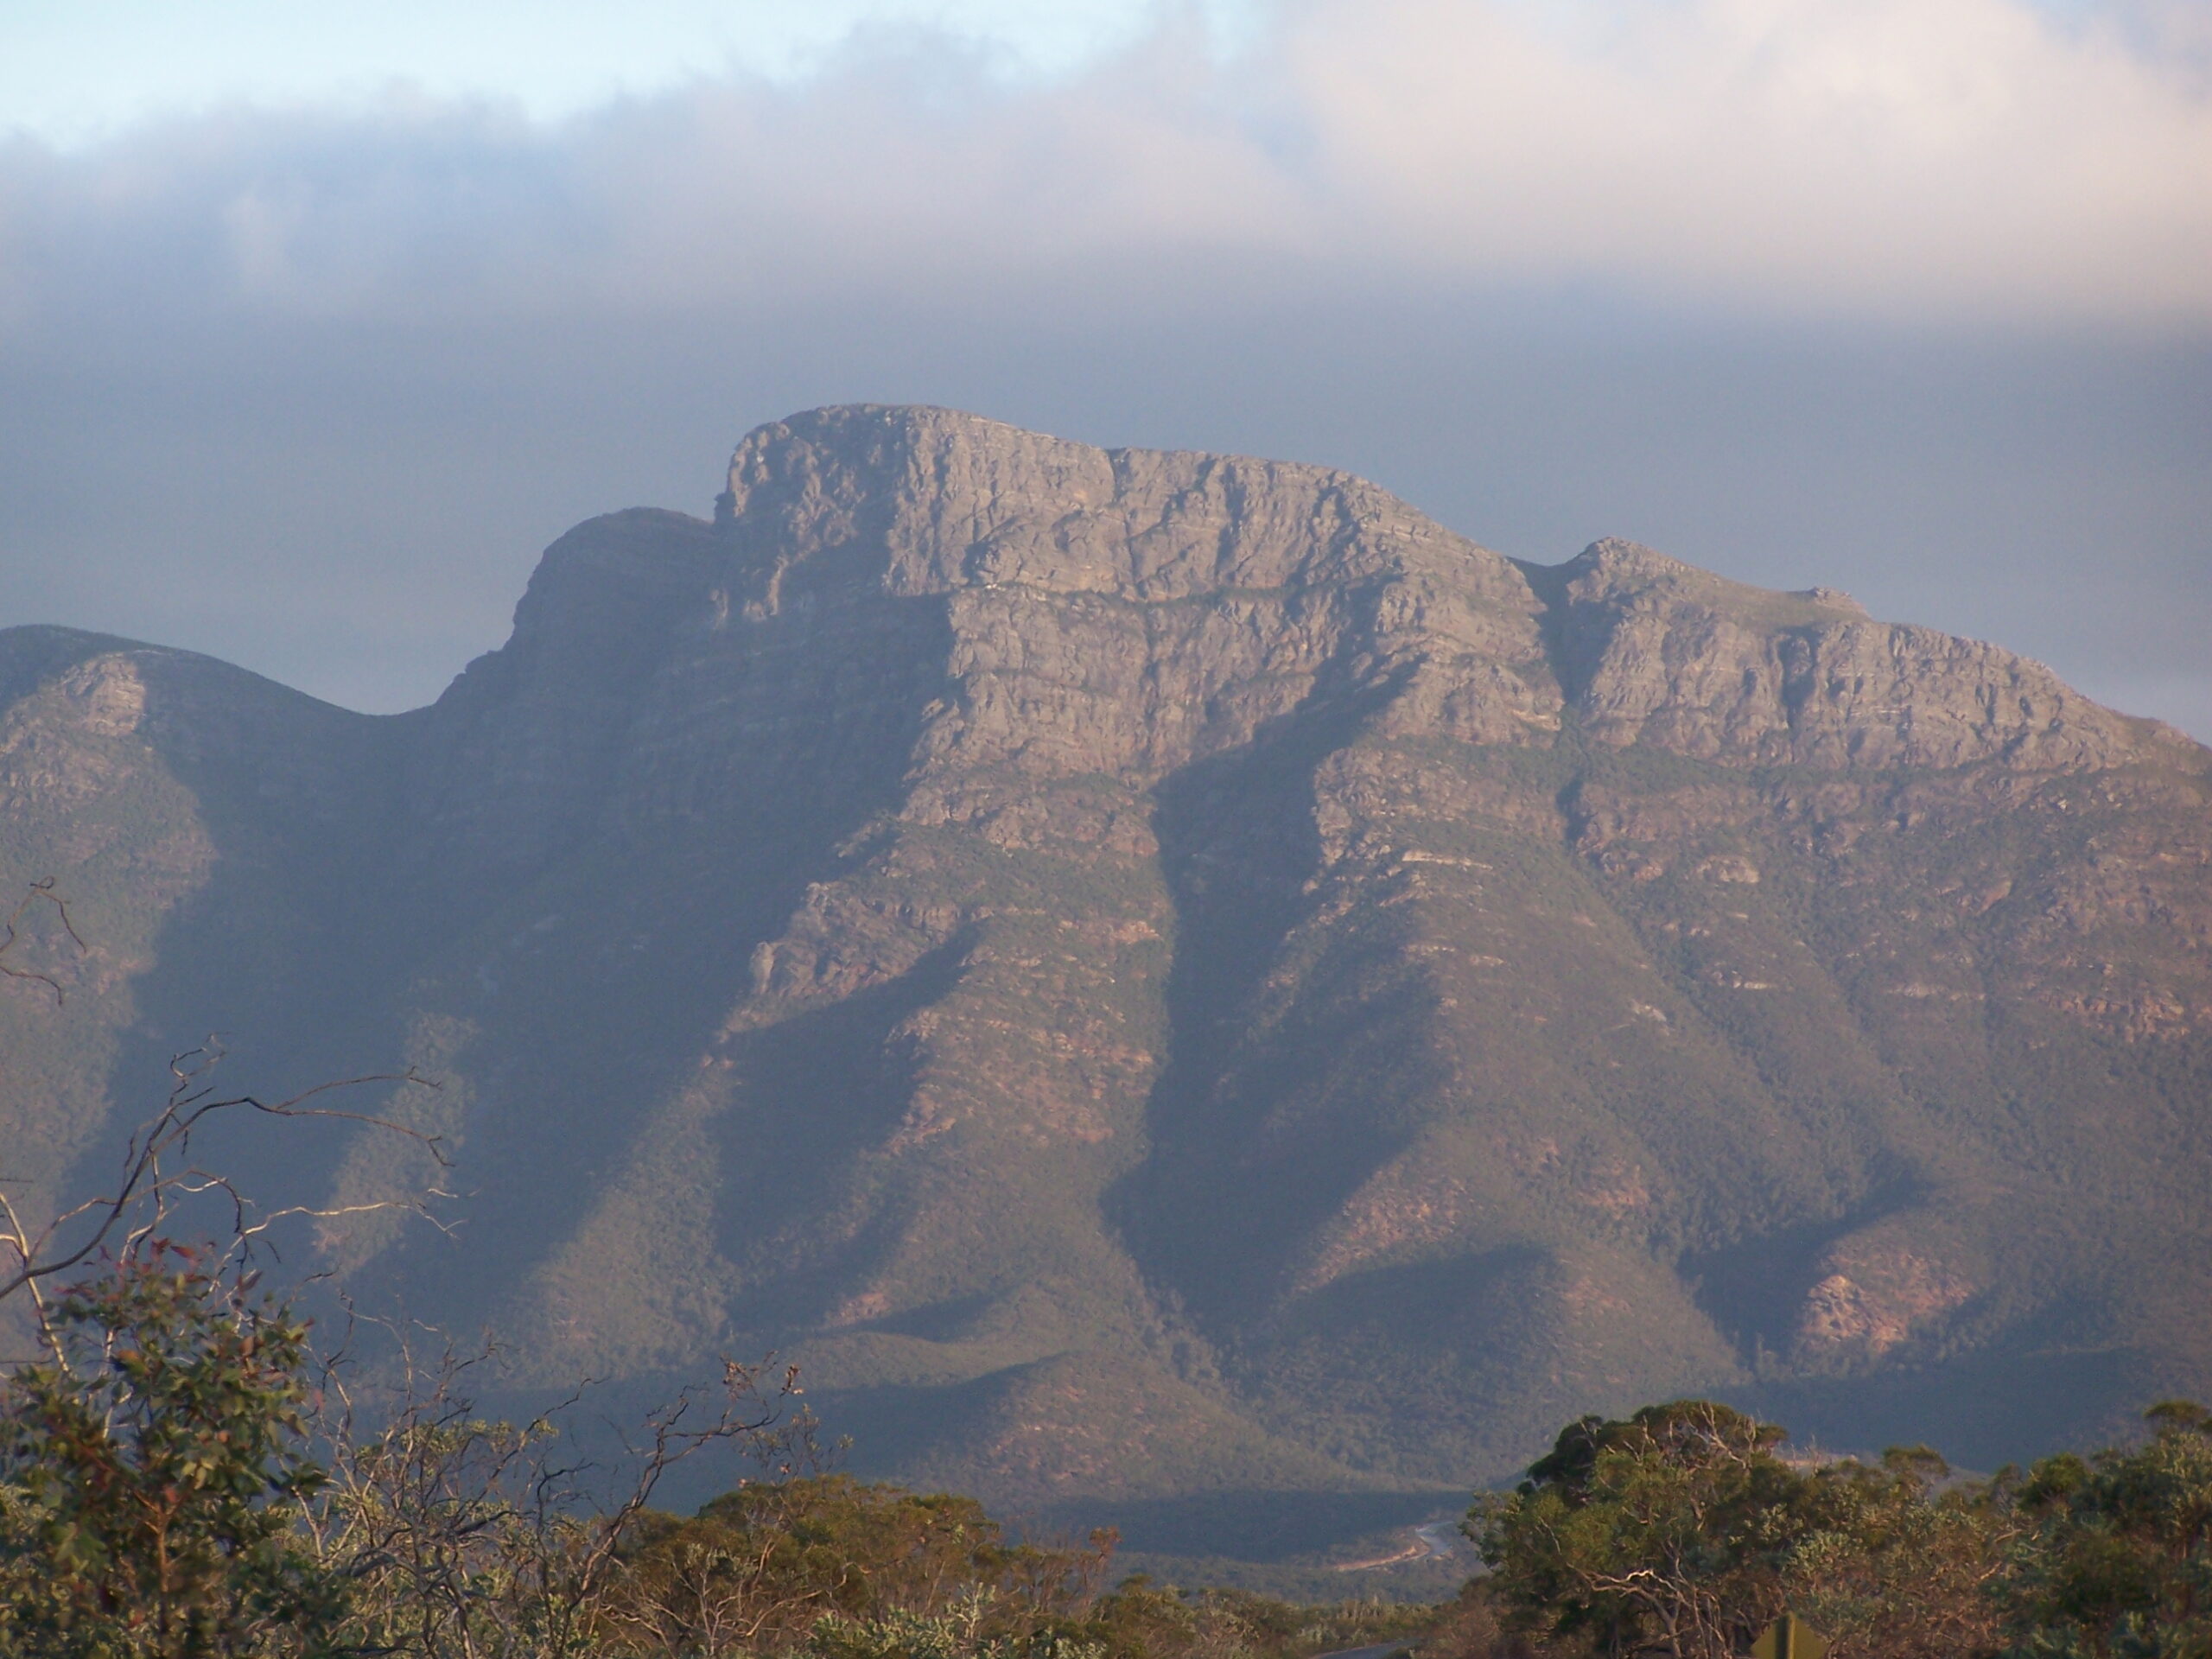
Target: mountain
(1176,987)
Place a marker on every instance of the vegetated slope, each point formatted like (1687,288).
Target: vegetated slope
(1162,978)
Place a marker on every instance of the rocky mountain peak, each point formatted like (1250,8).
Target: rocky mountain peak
(998,608)
(1176,977)
(925,501)
(1614,560)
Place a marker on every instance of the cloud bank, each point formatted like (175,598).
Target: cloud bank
(1957,161)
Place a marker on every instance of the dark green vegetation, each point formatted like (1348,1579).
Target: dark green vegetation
(1681,1531)
(1183,993)
(155,1471)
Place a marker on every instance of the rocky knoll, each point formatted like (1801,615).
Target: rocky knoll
(1164,979)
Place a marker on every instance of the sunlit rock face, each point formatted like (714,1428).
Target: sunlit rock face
(1162,975)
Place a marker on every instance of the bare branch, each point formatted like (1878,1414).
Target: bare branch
(35,893)
(157,1171)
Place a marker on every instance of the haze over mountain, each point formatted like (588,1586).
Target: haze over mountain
(1164,979)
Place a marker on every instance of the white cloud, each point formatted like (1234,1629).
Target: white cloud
(1960,159)
(1942,155)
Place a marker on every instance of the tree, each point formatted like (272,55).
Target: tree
(2122,1562)
(763,1567)
(182,1477)
(1903,1560)
(1661,1535)
(155,1472)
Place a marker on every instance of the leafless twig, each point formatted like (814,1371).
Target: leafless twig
(464,1535)
(37,892)
(157,1172)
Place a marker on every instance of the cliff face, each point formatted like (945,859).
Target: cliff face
(1159,974)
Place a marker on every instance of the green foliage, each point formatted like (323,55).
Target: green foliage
(769,1566)
(2122,1557)
(1679,1532)
(154,1474)
(1665,1533)
(1902,1560)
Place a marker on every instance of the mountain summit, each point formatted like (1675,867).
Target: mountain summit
(1164,978)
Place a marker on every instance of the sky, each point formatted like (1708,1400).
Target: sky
(317,323)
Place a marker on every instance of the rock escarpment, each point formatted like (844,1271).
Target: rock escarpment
(1158,974)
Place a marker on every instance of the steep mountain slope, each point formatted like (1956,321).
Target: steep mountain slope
(1163,977)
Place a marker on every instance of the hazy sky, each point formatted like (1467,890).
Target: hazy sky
(317,323)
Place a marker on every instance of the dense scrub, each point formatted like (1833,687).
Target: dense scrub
(1683,1531)
(179,1478)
